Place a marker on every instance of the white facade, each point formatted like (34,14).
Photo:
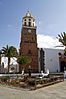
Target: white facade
(51,59)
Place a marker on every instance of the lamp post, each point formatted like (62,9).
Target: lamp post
(29,71)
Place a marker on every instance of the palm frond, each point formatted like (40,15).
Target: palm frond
(62,38)
(64,33)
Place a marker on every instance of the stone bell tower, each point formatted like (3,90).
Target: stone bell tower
(28,44)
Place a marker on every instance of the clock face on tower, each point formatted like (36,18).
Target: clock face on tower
(29,30)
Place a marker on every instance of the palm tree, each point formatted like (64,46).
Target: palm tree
(62,38)
(9,51)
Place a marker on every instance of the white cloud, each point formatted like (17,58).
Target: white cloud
(46,41)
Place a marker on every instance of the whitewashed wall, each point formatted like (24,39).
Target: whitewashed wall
(52,59)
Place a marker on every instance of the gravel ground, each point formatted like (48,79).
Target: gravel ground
(56,91)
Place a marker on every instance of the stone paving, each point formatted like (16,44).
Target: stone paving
(56,91)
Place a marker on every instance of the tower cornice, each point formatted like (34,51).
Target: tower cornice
(29,27)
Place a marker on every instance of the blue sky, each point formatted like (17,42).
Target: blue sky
(50,18)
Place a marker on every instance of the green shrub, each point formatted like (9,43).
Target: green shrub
(4,79)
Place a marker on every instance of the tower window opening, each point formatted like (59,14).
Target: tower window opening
(29,19)
(25,23)
(25,20)
(29,24)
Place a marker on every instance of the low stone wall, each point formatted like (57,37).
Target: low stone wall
(33,82)
(46,81)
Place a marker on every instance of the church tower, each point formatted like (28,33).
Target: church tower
(28,44)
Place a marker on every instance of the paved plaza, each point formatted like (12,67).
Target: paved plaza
(56,91)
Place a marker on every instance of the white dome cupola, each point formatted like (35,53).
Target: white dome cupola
(28,20)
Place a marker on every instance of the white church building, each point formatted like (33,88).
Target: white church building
(49,59)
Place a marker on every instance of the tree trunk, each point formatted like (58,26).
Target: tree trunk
(8,63)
